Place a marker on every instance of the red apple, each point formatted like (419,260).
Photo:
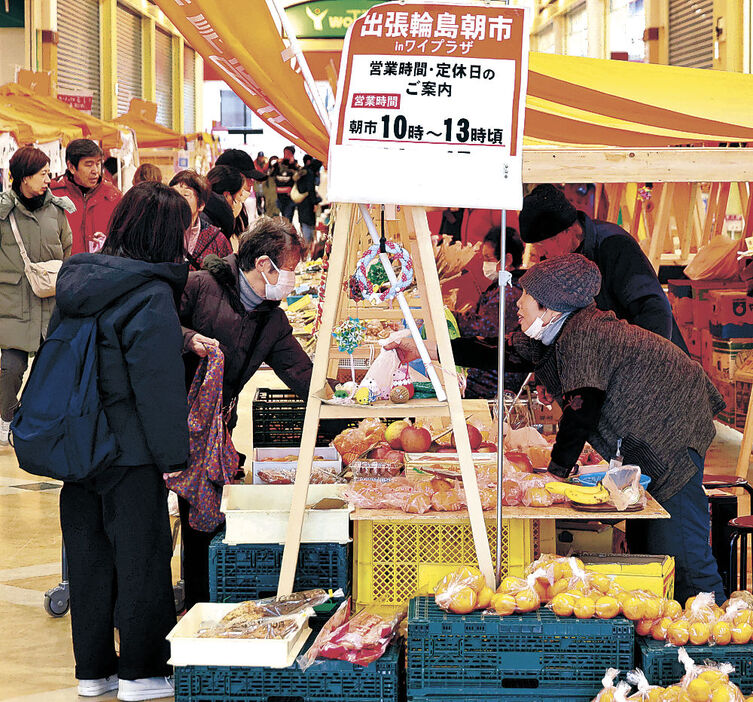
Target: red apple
(474,436)
(415,439)
(487,447)
(392,435)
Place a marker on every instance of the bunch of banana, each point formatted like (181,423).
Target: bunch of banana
(581,494)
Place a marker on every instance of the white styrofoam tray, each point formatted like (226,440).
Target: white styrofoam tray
(259,514)
(332,461)
(186,648)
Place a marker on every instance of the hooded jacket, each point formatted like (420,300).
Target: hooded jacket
(211,306)
(140,368)
(47,236)
(92,211)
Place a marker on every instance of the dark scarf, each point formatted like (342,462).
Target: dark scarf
(30,203)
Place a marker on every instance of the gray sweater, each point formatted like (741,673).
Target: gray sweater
(658,401)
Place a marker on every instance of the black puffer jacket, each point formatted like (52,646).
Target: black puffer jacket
(211,306)
(140,371)
(220,214)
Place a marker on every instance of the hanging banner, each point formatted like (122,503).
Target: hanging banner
(243,44)
(430,107)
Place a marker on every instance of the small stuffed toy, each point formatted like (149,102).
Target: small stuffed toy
(402,386)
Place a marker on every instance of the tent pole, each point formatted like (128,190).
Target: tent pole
(502,278)
(305,70)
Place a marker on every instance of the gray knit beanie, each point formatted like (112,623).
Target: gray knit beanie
(563,284)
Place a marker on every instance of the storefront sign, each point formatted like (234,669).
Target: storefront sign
(325,19)
(430,107)
(81,101)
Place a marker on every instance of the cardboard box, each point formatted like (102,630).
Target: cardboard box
(707,345)
(636,571)
(680,294)
(731,314)
(583,537)
(743,385)
(728,355)
(727,390)
(692,338)
(701,301)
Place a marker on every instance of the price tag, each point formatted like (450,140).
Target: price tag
(430,107)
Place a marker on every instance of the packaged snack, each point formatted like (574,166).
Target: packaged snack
(265,628)
(279,606)
(306,660)
(362,639)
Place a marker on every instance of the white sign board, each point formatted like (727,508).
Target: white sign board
(430,107)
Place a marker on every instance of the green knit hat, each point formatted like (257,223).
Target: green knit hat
(563,284)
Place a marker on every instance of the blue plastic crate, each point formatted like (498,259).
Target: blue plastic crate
(522,657)
(251,571)
(659,661)
(519,696)
(329,681)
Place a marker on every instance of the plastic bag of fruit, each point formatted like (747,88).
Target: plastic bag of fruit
(363,639)
(518,595)
(735,625)
(646,691)
(463,590)
(512,489)
(708,682)
(696,623)
(609,691)
(307,659)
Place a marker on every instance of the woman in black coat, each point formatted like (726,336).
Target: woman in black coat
(115,525)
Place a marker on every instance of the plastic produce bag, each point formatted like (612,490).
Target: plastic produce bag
(382,371)
(608,689)
(266,628)
(708,682)
(717,260)
(363,639)
(280,606)
(463,590)
(623,483)
(646,692)
(519,595)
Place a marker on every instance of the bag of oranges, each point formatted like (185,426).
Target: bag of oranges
(517,595)
(646,691)
(708,682)
(463,590)
(735,625)
(610,692)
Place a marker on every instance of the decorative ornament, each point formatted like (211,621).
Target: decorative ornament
(399,394)
(349,335)
(402,386)
(354,289)
(363,396)
(404,279)
(644,193)
(323,283)
(377,275)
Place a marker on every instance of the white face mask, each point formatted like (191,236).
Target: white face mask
(284,286)
(536,330)
(489,269)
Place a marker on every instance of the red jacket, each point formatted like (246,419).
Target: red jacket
(92,213)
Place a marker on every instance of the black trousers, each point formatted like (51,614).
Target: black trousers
(119,549)
(13,363)
(195,557)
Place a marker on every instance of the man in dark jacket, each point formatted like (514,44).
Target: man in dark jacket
(283,173)
(307,179)
(629,286)
(234,303)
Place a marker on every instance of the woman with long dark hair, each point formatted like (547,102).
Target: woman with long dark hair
(115,525)
(39,219)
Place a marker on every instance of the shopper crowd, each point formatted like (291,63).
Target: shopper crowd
(172,272)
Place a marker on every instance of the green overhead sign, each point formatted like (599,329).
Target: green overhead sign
(326,19)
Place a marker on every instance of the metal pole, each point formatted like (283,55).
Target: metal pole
(501,386)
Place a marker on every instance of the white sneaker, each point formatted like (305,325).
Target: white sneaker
(95,688)
(145,689)
(4,432)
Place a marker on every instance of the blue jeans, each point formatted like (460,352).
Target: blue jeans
(308,232)
(286,205)
(685,536)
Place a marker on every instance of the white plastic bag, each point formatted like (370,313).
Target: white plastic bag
(381,372)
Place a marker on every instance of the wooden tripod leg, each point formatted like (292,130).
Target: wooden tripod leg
(335,280)
(435,308)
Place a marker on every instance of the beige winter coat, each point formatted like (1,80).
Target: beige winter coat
(46,235)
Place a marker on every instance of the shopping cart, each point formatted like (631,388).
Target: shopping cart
(57,600)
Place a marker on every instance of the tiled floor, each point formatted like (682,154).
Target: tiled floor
(35,649)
